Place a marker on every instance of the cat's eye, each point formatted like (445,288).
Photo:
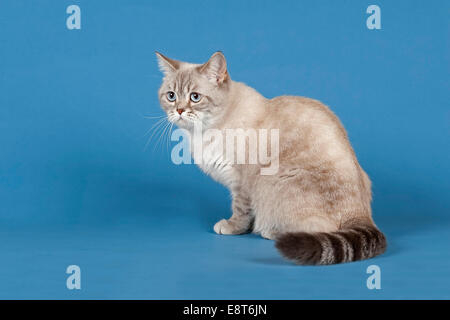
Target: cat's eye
(196,97)
(171,96)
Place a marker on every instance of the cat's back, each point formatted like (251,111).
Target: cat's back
(297,105)
(310,129)
(305,111)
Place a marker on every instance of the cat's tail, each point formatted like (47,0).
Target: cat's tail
(351,244)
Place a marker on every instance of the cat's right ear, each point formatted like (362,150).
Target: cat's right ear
(167,65)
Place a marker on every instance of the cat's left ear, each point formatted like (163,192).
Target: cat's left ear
(216,68)
(167,65)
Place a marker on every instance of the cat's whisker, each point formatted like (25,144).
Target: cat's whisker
(153,126)
(161,135)
(154,117)
(169,135)
(151,116)
(156,128)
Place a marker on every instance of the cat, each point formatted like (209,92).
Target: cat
(317,207)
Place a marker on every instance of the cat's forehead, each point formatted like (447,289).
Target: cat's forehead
(187,79)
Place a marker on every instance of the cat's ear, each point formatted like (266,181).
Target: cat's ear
(216,68)
(167,65)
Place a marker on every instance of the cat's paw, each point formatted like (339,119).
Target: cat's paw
(226,227)
(269,235)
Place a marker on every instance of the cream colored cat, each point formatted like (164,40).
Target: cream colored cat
(317,206)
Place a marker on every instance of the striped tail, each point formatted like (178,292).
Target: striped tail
(352,244)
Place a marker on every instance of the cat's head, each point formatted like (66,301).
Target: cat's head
(193,93)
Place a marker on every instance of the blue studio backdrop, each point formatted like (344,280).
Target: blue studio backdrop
(81,183)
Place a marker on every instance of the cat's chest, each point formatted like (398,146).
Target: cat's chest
(213,162)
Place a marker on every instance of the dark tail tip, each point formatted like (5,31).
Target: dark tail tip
(302,248)
(352,244)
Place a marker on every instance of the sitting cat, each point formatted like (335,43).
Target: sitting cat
(317,205)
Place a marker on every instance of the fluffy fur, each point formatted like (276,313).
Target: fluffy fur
(317,207)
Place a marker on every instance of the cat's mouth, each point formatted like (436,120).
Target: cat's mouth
(185,119)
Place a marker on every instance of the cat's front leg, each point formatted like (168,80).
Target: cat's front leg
(241,220)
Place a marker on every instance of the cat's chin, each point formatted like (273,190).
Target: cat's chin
(184,124)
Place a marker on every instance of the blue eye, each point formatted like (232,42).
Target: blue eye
(171,96)
(196,97)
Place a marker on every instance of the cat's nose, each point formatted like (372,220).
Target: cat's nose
(180,111)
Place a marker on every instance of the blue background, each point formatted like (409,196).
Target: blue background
(78,186)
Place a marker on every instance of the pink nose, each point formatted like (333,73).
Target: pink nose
(180,111)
